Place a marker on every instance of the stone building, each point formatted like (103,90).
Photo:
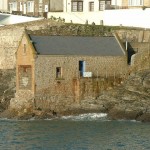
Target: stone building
(65,67)
(34,7)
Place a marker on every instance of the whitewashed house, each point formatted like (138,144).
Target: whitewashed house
(130,3)
(129,13)
(86,5)
(82,11)
(4,5)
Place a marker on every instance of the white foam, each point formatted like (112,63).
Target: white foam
(84,117)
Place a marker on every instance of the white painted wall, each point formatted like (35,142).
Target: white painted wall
(116,2)
(124,17)
(79,17)
(13,19)
(4,5)
(127,17)
(67,5)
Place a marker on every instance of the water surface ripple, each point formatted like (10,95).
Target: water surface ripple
(69,134)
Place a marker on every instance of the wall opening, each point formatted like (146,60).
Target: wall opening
(24,49)
(81,67)
(130,51)
(58,72)
(25,77)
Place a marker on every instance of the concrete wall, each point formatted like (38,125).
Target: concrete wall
(128,17)
(123,17)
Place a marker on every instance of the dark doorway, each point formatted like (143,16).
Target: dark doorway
(130,52)
(81,67)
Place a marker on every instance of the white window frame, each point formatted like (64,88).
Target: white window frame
(77,6)
(13,6)
(30,6)
(91,6)
(21,6)
(135,2)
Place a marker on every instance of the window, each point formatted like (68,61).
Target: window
(81,67)
(135,2)
(103,4)
(58,72)
(13,6)
(91,6)
(30,6)
(40,1)
(24,49)
(40,7)
(77,6)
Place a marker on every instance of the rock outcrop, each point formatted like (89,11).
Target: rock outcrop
(7,88)
(131,100)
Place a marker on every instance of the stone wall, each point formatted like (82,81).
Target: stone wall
(102,66)
(140,61)
(133,35)
(66,88)
(9,41)
(7,87)
(82,89)
(11,35)
(139,47)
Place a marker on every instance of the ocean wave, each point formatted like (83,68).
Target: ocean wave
(86,117)
(81,117)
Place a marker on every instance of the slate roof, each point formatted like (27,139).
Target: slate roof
(76,45)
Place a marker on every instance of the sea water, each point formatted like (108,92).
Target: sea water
(83,132)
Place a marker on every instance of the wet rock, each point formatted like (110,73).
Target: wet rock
(131,100)
(144,118)
(7,88)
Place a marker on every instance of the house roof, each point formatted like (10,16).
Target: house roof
(75,45)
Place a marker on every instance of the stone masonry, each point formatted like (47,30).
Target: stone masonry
(11,35)
(71,87)
(47,90)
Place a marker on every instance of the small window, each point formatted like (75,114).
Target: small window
(24,48)
(91,6)
(101,5)
(77,6)
(58,72)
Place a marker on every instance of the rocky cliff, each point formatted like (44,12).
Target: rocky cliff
(7,88)
(130,100)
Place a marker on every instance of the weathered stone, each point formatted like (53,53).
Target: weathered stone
(129,104)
